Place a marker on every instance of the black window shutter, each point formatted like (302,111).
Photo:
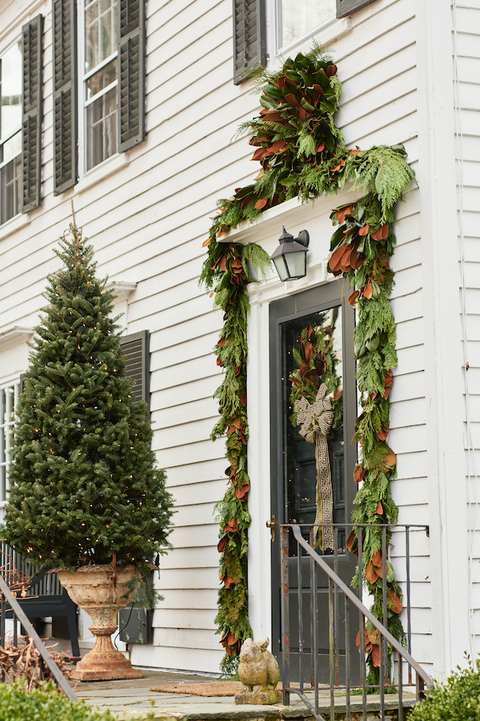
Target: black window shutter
(131,73)
(249,42)
(347,7)
(137,363)
(32,36)
(65,126)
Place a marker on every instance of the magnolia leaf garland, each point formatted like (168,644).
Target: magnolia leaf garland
(302,153)
(231,267)
(361,248)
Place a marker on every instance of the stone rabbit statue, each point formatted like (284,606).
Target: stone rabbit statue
(258,671)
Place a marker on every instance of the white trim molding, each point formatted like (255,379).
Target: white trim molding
(15,336)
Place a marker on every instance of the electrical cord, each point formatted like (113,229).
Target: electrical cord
(123,627)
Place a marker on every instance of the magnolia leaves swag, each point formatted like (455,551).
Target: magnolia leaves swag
(302,153)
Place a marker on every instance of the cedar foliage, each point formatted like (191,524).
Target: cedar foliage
(84,481)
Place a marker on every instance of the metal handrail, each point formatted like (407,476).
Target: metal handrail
(47,659)
(423,678)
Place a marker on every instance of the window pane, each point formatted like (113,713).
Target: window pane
(102,128)
(110,123)
(10,181)
(102,78)
(11,91)
(108,39)
(100,32)
(94,133)
(91,37)
(298,18)
(12,147)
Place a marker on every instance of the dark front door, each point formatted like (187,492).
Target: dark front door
(299,493)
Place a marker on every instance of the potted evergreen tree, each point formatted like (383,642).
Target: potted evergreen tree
(86,497)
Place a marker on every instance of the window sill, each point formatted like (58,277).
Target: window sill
(14,224)
(324,34)
(102,171)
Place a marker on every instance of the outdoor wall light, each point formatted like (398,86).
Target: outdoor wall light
(290,258)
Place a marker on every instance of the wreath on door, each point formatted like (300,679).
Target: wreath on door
(316,399)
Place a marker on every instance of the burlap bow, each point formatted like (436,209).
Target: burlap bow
(314,421)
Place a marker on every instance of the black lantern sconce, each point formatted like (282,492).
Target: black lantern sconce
(290,258)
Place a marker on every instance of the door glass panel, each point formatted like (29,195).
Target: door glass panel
(312,355)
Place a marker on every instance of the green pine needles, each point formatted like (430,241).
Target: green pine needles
(84,481)
(302,153)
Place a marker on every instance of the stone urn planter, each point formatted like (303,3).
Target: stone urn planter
(102,596)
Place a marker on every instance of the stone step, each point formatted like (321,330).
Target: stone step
(134,699)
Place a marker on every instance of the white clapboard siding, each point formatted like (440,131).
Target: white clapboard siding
(200,389)
(148,216)
(183,618)
(467,52)
(210,471)
(198,410)
(194,536)
(200,556)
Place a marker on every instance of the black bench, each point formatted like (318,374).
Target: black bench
(45,595)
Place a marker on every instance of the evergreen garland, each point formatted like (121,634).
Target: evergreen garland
(233,273)
(303,154)
(84,483)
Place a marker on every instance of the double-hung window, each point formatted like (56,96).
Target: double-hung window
(100,80)
(105,90)
(11,133)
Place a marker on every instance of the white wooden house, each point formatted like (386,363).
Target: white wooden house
(144,189)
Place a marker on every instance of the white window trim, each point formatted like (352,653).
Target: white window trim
(5,437)
(100,172)
(14,224)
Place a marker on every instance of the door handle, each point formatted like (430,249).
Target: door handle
(271,525)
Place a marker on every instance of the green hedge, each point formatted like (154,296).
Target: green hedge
(46,704)
(457,699)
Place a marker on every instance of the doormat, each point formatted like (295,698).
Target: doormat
(206,688)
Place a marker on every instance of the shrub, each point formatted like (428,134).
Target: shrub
(457,699)
(46,704)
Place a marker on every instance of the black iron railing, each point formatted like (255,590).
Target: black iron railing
(396,664)
(8,600)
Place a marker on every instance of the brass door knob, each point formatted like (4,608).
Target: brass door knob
(271,525)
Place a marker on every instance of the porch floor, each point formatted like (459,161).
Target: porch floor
(133,698)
